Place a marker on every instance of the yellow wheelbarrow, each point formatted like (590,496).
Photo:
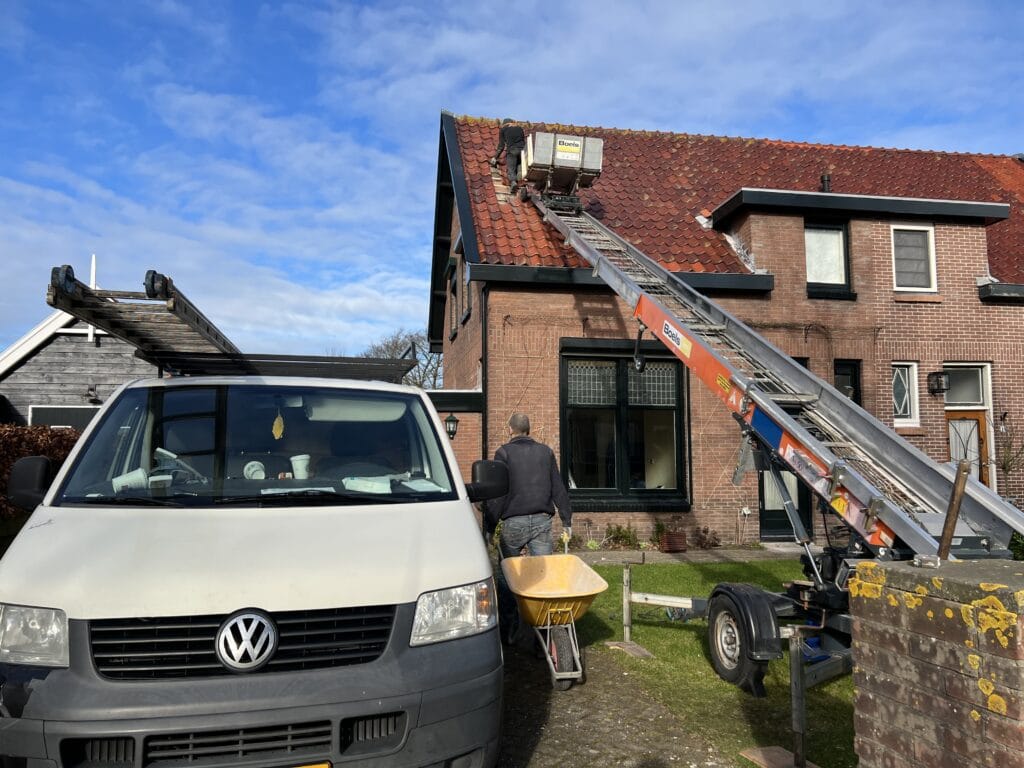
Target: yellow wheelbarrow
(552,591)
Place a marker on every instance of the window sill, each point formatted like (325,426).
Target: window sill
(633,503)
(838,293)
(918,298)
(453,334)
(465,317)
(910,431)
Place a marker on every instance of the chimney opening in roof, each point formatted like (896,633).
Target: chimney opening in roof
(826,182)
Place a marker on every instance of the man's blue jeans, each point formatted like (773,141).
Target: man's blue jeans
(530,531)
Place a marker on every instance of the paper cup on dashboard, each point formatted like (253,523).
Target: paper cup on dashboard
(300,466)
(137,478)
(254,470)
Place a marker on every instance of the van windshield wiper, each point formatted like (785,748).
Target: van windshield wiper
(310,496)
(130,501)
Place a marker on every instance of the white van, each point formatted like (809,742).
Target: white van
(264,572)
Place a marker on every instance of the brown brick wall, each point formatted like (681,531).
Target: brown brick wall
(939,670)
(525,324)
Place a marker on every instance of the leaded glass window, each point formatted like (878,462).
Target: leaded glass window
(904,392)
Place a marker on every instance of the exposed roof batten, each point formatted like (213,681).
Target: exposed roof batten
(832,203)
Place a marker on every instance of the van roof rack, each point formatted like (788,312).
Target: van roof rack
(227,364)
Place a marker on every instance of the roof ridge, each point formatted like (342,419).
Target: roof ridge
(716,137)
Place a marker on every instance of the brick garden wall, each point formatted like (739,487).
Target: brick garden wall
(939,665)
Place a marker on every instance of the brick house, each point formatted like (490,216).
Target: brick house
(873,267)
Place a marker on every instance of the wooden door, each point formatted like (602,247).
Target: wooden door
(968,431)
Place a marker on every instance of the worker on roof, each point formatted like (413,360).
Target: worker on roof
(512,139)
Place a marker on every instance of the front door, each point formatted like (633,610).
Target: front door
(775,524)
(967,430)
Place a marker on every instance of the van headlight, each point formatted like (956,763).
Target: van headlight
(33,636)
(456,612)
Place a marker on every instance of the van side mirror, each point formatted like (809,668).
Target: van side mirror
(490,480)
(28,482)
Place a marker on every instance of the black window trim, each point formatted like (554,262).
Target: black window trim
(834,291)
(616,499)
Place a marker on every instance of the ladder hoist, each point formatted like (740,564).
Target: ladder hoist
(890,494)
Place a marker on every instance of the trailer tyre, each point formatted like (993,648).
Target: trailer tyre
(560,648)
(730,643)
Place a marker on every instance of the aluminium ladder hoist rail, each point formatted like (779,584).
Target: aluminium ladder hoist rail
(889,492)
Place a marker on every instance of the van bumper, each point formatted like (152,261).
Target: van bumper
(378,715)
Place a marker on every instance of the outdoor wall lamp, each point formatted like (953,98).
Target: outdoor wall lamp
(938,382)
(451,425)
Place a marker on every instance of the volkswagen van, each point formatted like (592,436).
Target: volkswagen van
(251,571)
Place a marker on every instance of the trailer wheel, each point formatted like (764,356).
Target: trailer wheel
(560,648)
(729,641)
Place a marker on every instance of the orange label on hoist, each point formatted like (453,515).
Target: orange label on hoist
(672,335)
(723,383)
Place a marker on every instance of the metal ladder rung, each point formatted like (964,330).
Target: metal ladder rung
(792,398)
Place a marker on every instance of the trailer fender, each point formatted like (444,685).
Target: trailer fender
(757,610)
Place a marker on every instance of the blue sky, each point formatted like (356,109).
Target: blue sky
(278,160)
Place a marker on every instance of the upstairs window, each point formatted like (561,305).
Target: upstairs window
(913,258)
(828,267)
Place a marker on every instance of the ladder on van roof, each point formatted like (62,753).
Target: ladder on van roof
(892,494)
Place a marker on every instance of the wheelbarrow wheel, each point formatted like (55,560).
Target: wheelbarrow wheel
(560,648)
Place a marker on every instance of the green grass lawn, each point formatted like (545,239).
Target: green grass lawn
(680,674)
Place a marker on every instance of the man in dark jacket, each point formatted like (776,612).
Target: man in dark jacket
(535,489)
(512,139)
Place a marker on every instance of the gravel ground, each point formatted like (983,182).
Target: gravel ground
(609,721)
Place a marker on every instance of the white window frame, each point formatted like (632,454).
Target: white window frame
(914,420)
(932,271)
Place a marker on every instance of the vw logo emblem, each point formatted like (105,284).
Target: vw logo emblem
(246,641)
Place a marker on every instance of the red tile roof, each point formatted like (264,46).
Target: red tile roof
(654,184)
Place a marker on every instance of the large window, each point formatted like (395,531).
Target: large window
(828,265)
(913,258)
(904,395)
(623,430)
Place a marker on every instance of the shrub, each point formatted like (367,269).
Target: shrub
(1017,546)
(17,442)
(618,536)
(706,538)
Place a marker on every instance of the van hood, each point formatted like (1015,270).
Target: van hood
(95,562)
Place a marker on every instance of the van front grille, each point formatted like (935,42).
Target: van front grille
(185,646)
(287,744)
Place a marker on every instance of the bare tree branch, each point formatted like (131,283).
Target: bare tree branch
(427,374)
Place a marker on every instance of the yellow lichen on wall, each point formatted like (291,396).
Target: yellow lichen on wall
(867,581)
(921,590)
(975,715)
(911,601)
(992,614)
(988,587)
(974,661)
(936,582)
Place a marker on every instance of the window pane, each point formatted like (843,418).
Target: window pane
(901,386)
(825,259)
(651,448)
(655,386)
(964,386)
(912,259)
(591,382)
(591,447)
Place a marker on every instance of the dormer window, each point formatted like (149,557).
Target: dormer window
(827,260)
(913,258)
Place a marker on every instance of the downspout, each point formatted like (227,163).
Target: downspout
(484,291)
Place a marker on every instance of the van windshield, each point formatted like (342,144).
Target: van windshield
(260,444)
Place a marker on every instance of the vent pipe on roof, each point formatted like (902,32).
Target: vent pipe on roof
(826,182)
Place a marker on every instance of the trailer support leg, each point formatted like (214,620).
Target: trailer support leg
(799,702)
